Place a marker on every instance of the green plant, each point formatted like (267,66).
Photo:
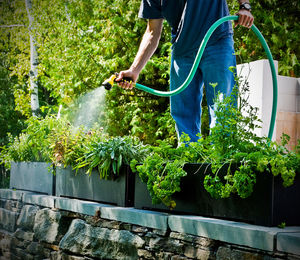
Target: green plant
(232,143)
(279,23)
(81,44)
(282,225)
(162,170)
(110,155)
(68,143)
(32,144)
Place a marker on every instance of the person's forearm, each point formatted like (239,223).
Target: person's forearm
(243,1)
(148,46)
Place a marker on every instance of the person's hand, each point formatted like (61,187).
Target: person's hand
(127,74)
(245,18)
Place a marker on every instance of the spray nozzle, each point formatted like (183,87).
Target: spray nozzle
(107,84)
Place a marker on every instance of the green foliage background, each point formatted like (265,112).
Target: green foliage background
(279,22)
(81,43)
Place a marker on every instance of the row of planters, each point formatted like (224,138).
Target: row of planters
(53,157)
(231,173)
(62,181)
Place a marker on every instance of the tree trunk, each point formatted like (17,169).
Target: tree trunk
(35,106)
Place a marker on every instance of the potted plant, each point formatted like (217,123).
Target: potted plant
(93,166)
(28,158)
(232,173)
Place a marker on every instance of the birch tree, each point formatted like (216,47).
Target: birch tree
(33,63)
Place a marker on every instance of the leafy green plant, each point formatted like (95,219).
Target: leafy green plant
(82,43)
(232,143)
(162,170)
(279,23)
(57,141)
(282,225)
(109,155)
(69,143)
(32,144)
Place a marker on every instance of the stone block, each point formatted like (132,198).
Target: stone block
(239,254)
(258,237)
(205,242)
(156,243)
(182,236)
(128,215)
(27,216)
(139,229)
(24,235)
(2,203)
(163,255)
(78,206)
(98,242)
(71,257)
(16,242)
(19,252)
(5,242)
(35,248)
(110,224)
(55,255)
(13,205)
(289,243)
(197,253)
(165,244)
(150,219)
(144,254)
(160,232)
(178,257)
(8,220)
(38,199)
(223,253)
(10,194)
(47,226)
(6,255)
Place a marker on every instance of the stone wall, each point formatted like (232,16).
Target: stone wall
(36,226)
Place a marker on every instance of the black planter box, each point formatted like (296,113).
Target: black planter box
(119,191)
(269,205)
(32,176)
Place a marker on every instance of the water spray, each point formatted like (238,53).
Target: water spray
(110,82)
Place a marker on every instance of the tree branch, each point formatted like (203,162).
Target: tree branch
(12,25)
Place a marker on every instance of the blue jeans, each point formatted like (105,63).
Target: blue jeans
(213,68)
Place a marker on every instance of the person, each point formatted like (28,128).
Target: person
(190,20)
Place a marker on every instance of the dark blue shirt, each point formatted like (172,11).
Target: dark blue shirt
(189,20)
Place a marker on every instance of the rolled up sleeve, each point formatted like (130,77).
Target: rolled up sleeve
(150,9)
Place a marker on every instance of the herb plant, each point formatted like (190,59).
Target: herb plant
(232,142)
(162,170)
(32,144)
(69,143)
(110,155)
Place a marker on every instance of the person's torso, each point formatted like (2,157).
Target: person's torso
(191,19)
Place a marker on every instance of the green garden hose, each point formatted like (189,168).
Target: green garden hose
(197,61)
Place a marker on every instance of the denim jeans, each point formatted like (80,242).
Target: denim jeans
(213,68)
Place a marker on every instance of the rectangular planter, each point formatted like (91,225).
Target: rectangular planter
(82,186)
(32,176)
(269,205)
